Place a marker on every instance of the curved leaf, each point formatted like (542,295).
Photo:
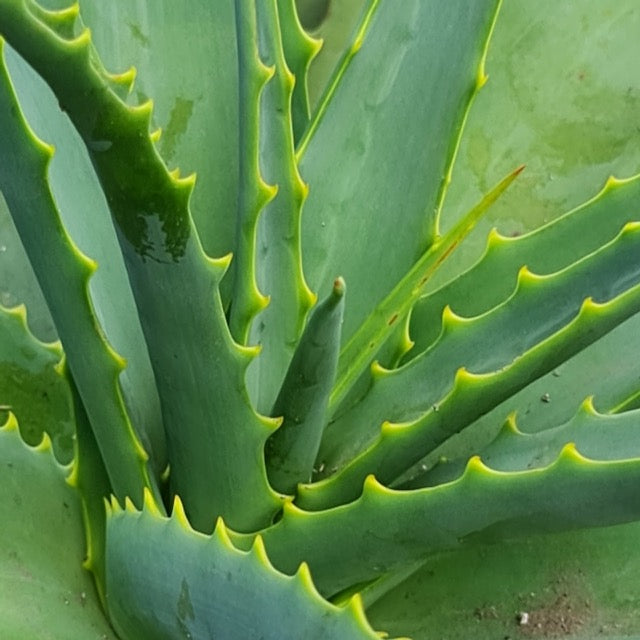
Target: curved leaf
(578,584)
(279,269)
(194,85)
(31,386)
(353,193)
(304,396)
(23,177)
(543,251)
(164,580)
(165,260)
(464,375)
(254,193)
(299,51)
(386,529)
(76,192)
(597,436)
(45,591)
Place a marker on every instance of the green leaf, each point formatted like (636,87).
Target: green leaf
(90,477)
(254,193)
(386,529)
(605,369)
(548,249)
(164,580)
(76,191)
(465,373)
(45,591)
(597,436)
(304,396)
(353,193)
(299,51)
(194,85)
(579,584)
(279,265)
(378,326)
(31,386)
(165,260)
(23,177)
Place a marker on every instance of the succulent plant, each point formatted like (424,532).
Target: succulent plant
(264,404)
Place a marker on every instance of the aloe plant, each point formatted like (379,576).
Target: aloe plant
(285,397)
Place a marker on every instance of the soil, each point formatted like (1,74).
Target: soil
(562,617)
(561,610)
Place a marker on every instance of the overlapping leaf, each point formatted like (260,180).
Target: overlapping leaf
(467,372)
(385,529)
(31,386)
(597,436)
(164,580)
(279,267)
(359,163)
(23,178)
(545,250)
(45,591)
(164,260)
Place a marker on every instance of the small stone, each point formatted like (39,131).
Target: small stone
(523,618)
(545,397)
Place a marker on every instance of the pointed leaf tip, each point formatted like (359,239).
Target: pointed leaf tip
(588,407)
(11,423)
(571,454)
(511,425)
(303,574)
(259,551)
(221,534)
(178,513)
(149,503)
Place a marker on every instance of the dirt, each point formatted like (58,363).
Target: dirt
(561,617)
(561,609)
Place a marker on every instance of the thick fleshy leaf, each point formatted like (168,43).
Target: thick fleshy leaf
(359,351)
(165,261)
(194,86)
(253,193)
(304,397)
(597,436)
(90,477)
(467,372)
(385,529)
(164,580)
(299,50)
(606,369)
(31,386)
(358,202)
(279,268)
(77,192)
(580,585)
(24,161)
(45,591)
(543,251)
